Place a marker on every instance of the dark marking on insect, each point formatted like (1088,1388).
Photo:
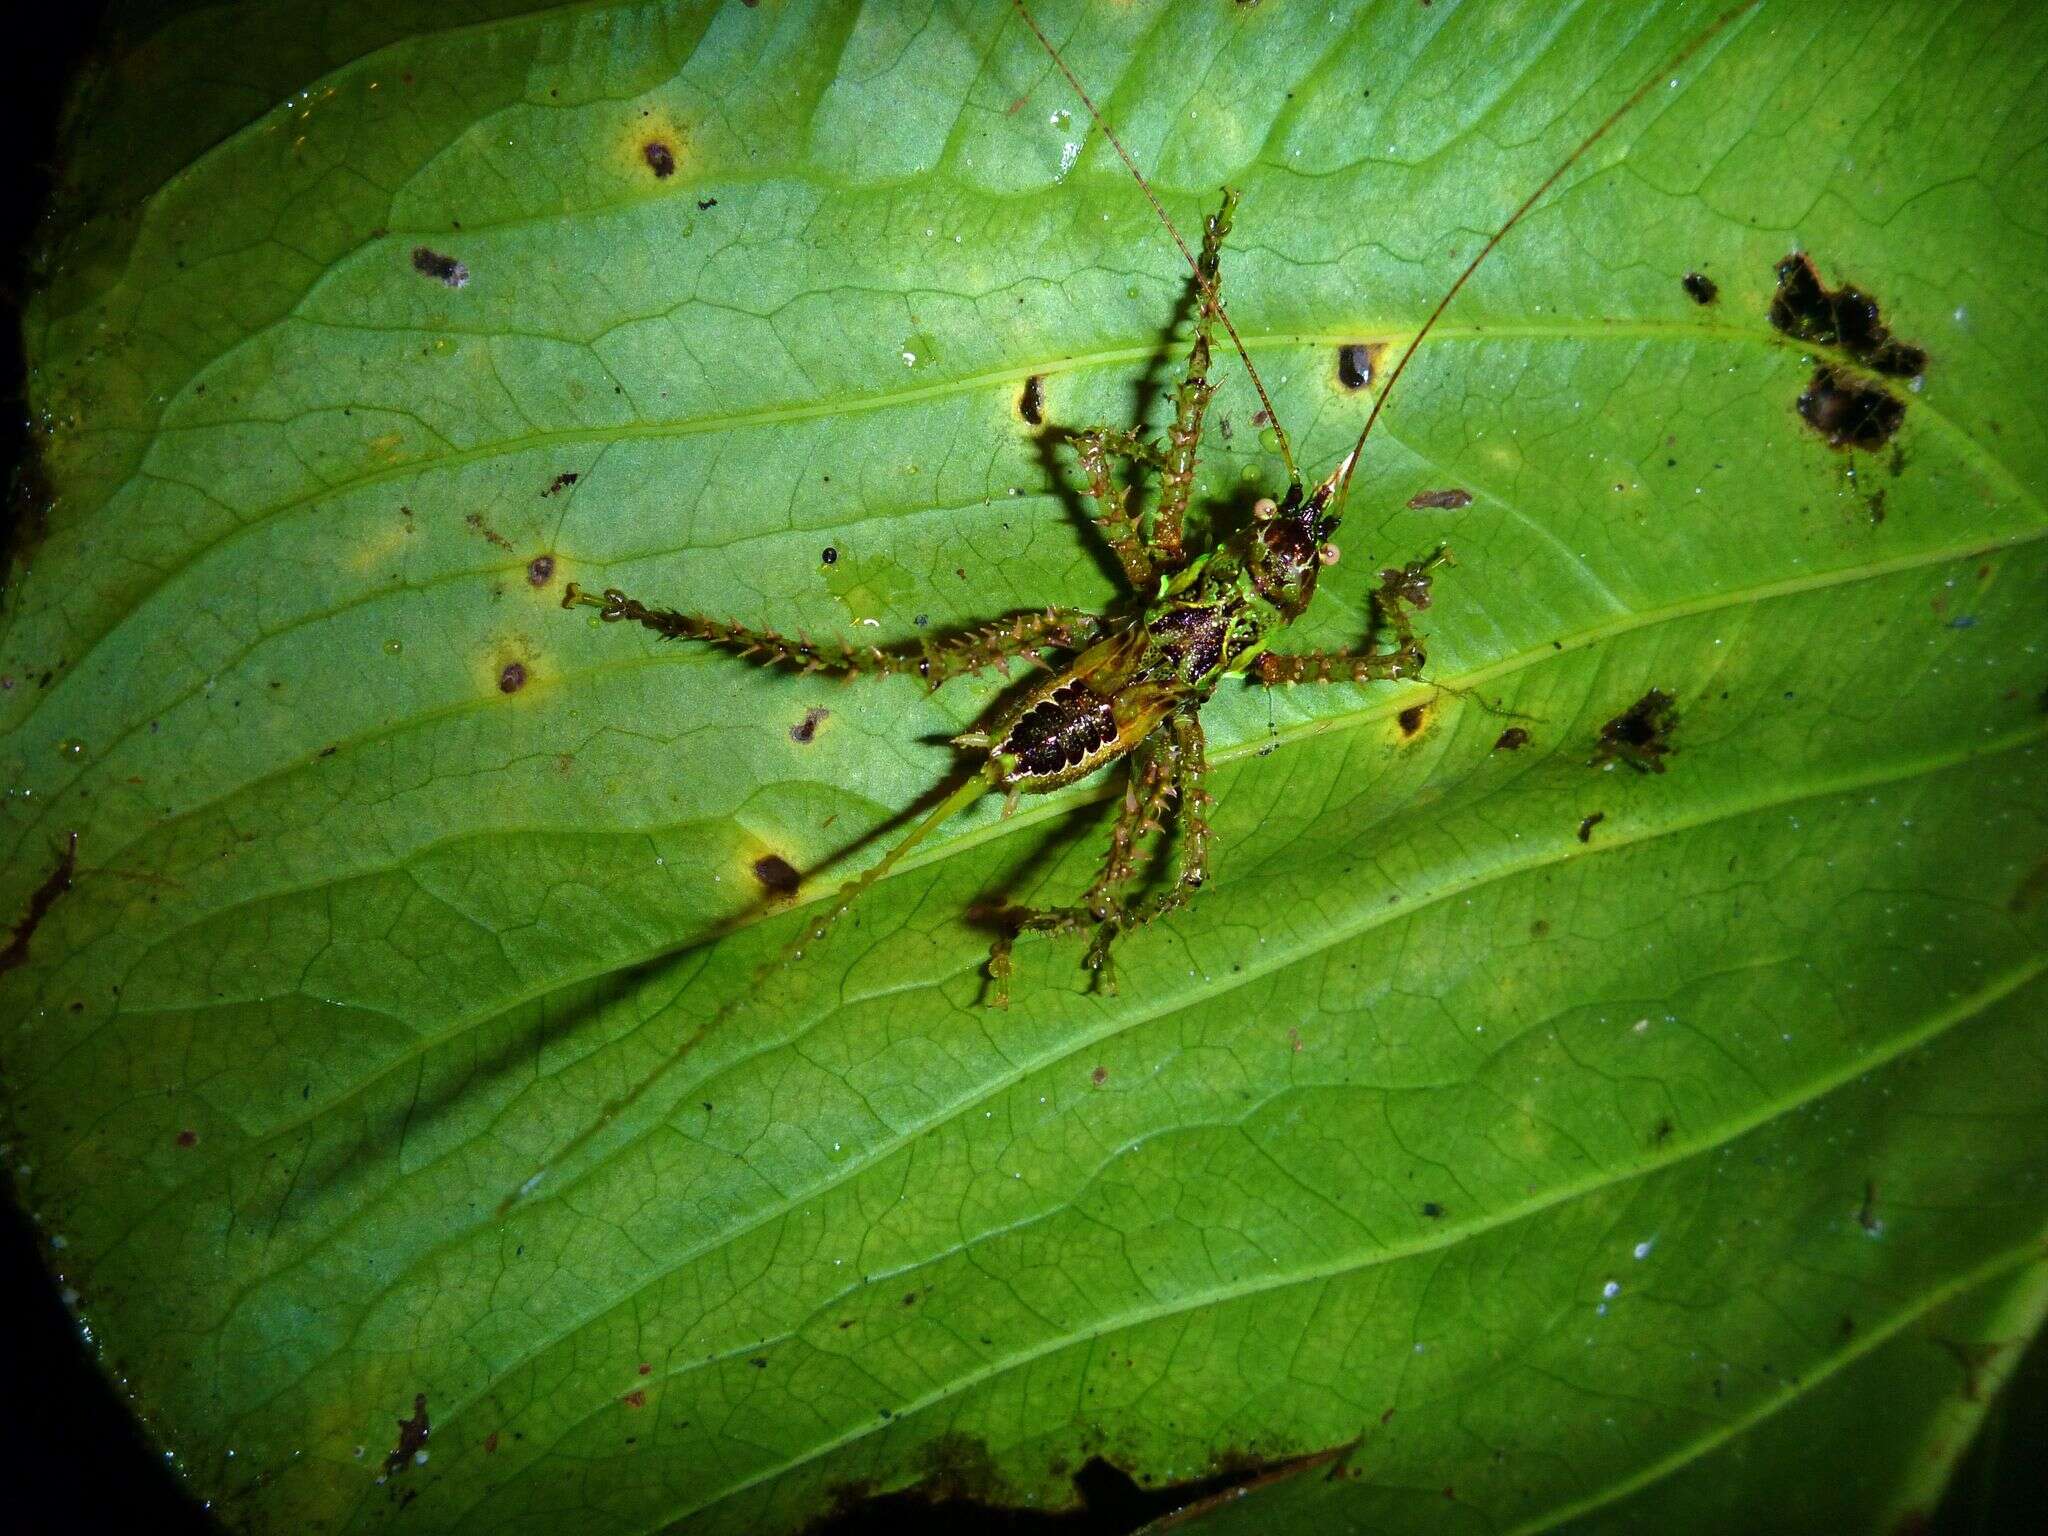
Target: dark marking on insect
(1448,500)
(512,677)
(1700,288)
(540,570)
(1358,363)
(445,269)
(412,1437)
(805,731)
(1587,824)
(1513,739)
(1640,735)
(474,521)
(659,157)
(561,482)
(1031,403)
(777,875)
(40,900)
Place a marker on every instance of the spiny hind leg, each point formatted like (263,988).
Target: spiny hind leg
(1174,772)
(1401,588)
(1150,784)
(1191,398)
(1020,636)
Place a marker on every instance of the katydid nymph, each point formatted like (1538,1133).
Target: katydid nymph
(1129,684)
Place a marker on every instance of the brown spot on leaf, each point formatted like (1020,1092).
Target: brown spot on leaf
(188,1138)
(1640,735)
(2032,887)
(1357,364)
(1099,1076)
(1849,413)
(1700,288)
(512,677)
(40,900)
(1844,317)
(1411,719)
(540,570)
(1842,402)
(446,269)
(962,1490)
(561,482)
(637,1398)
(474,522)
(660,158)
(412,1435)
(1031,403)
(1513,739)
(777,875)
(1448,500)
(805,731)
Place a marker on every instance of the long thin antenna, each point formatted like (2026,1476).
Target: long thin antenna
(1209,294)
(1676,62)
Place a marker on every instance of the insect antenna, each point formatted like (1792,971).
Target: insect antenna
(1676,62)
(1210,296)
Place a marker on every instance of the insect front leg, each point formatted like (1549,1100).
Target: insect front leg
(1020,636)
(1400,589)
(1097,447)
(1191,399)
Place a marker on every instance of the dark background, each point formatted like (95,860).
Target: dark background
(72,1459)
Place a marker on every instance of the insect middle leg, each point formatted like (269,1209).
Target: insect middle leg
(1021,636)
(1400,589)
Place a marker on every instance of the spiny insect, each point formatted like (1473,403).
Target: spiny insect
(1134,681)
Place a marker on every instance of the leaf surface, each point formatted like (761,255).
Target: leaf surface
(1502,1140)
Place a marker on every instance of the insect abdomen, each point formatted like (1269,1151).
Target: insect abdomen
(1061,736)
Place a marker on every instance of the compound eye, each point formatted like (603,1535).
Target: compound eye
(1329,554)
(1265,509)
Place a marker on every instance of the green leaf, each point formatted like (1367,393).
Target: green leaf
(1499,1141)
